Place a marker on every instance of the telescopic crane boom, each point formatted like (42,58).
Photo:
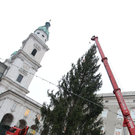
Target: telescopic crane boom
(127,117)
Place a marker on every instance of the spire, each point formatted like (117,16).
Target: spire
(45,28)
(47,24)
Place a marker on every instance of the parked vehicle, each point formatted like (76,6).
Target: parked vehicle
(17,131)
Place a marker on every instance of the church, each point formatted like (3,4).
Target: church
(16,74)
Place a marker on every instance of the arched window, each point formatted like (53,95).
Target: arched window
(34,52)
(7,119)
(22,123)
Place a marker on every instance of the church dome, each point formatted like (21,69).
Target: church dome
(45,28)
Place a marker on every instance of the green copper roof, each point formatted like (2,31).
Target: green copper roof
(14,53)
(45,28)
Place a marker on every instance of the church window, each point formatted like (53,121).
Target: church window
(19,78)
(133,114)
(118,131)
(26,112)
(43,36)
(13,107)
(104,113)
(102,130)
(34,52)
(38,117)
(119,115)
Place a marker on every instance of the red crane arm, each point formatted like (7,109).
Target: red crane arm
(127,118)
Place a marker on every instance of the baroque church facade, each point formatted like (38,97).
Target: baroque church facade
(16,74)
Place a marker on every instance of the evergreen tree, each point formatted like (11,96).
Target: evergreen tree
(69,114)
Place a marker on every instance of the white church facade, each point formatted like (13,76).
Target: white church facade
(16,74)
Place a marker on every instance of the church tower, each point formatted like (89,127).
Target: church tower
(16,74)
(25,62)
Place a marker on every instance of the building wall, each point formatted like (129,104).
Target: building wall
(112,121)
(19,107)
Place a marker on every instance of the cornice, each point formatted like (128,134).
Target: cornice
(26,98)
(15,84)
(29,58)
(37,39)
(111,95)
(20,51)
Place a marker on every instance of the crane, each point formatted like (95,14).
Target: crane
(128,122)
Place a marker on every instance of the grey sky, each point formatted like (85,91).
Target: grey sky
(73,23)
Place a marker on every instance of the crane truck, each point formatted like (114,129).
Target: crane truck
(128,122)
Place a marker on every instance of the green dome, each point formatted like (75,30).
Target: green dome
(45,28)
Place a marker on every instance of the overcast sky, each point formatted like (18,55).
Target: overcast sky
(73,23)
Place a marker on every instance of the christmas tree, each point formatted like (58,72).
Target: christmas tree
(75,108)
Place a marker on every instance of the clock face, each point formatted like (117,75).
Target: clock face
(26,66)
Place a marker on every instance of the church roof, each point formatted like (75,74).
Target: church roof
(45,28)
